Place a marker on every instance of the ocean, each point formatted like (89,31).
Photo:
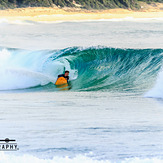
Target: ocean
(111,111)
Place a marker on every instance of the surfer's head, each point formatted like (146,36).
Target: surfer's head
(66,73)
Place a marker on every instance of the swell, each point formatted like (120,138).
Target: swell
(91,69)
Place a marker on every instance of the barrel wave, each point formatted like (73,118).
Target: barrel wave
(91,69)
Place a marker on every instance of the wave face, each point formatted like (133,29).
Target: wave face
(91,69)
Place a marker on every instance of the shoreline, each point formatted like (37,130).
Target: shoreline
(42,14)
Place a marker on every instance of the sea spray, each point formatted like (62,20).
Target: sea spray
(157,90)
(24,69)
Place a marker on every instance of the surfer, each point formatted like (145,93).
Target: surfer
(62,78)
(65,75)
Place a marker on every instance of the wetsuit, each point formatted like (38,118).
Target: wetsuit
(66,77)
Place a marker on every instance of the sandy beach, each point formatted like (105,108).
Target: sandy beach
(71,14)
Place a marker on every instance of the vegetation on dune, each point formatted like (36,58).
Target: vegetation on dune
(86,4)
(33,3)
(149,1)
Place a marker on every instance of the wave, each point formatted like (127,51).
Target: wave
(5,158)
(91,69)
(5,21)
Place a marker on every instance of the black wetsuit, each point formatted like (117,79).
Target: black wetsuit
(62,75)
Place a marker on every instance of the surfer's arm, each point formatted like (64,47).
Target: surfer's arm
(60,75)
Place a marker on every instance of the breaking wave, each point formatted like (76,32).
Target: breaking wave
(91,69)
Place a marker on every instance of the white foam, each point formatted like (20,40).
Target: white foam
(128,19)
(24,69)
(18,22)
(157,90)
(5,158)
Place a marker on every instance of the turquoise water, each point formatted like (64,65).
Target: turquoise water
(112,108)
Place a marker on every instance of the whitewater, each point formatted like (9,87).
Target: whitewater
(111,111)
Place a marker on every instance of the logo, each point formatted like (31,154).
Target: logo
(8,145)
